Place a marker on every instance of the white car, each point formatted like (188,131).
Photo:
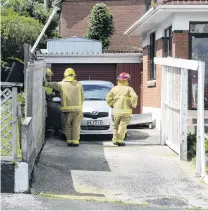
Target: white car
(97,118)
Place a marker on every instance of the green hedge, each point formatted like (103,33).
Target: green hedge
(192,146)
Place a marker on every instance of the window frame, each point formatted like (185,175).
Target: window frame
(168,42)
(152,55)
(197,35)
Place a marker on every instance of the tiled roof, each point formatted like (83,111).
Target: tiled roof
(182,2)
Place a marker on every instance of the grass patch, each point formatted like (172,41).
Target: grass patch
(91,198)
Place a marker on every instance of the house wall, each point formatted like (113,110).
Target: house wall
(180,49)
(75,15)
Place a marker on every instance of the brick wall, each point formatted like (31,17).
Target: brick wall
(75,15)
(152,95)
(180,44)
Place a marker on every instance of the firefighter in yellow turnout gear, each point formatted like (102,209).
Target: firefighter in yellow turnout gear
(72,99)
(122,98)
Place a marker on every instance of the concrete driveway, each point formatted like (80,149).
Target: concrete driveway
(142,173)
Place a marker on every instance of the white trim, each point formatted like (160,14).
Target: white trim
(151,83)
(140,21)
(91,58)
(179,63)
(162,12)
(200,146)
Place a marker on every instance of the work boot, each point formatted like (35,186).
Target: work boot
(121,144)
(70,144)
(75,145)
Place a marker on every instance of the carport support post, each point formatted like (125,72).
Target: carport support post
(183,114)
(200,146)
(162,122)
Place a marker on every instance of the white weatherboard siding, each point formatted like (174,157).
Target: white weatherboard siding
(21,178)
(156,114)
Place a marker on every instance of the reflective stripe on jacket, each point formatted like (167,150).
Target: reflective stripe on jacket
(122,98)
(72,94)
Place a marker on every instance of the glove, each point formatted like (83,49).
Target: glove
(44,82)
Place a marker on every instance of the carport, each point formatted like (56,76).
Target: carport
(90,63)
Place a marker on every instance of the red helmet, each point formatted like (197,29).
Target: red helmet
(124,76)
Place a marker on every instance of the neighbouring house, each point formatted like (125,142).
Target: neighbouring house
(75,15)
(172,28)
(87,56)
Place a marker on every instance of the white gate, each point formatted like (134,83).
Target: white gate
(174,103)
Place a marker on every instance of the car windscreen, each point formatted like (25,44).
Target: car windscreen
(95,91)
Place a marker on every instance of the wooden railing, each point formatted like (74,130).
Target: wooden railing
(174,107)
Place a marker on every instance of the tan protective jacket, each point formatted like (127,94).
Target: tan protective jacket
(72,94)
(122,98)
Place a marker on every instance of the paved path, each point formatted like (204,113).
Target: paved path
(143,173)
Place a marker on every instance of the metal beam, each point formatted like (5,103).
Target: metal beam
(46,4)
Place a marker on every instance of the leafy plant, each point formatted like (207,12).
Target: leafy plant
(15,31)
(100,25)
(34,9)
(191,145)
(206,145)
(22,22)
(21,101)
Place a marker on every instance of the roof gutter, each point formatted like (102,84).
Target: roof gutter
(168,8)
(145,17)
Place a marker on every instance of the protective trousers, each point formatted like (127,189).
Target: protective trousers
(120,124)
(72,126)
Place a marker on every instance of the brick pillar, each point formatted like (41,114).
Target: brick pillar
(146,63)
(180,44)
(151,94)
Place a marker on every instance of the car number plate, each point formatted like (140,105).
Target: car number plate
(94,122)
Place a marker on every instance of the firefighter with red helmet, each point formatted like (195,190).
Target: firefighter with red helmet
(122,98)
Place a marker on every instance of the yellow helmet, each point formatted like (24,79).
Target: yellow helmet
(49,72)
(69,72)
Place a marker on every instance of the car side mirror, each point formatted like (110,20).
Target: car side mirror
(56,100)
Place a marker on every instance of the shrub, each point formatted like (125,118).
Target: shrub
(191,146)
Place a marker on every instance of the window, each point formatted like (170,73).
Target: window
(95,91)
(198,50)
(168,42)
(152,55)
